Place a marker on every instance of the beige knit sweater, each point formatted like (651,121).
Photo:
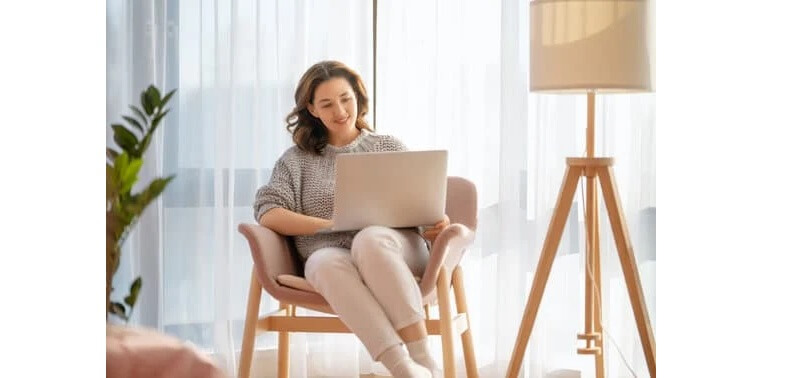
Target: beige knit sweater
(303,182)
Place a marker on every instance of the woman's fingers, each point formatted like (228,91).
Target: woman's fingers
(442,223)
(432,232)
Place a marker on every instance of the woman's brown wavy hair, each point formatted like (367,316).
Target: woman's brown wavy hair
(308,132)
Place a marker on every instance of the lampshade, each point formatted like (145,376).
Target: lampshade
(599,45)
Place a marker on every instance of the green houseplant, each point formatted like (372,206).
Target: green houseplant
(123,207)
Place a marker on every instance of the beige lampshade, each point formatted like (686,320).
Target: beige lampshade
(599,45)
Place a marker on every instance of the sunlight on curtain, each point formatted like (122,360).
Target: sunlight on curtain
(235,64)
(453,75)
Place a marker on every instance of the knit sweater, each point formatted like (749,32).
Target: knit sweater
(303,182)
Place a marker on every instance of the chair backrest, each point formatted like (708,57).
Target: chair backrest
(462,202)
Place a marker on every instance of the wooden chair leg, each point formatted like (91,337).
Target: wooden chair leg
(249,337)
(446,319)
(283,348)
(466,337)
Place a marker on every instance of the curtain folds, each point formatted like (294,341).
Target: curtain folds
(450,75)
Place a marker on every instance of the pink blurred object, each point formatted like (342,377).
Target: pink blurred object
(133,352)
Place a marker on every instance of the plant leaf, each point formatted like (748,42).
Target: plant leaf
(153,91)
(134,294)
(123,208)
(121,164)
(157,186)
(140,201)
(157,119)
(154,96)
(145,142)
(130,175)
(124,138)
(111,153)
(166,98)
(146,104)
(134,123)
(118,309)
(139,113)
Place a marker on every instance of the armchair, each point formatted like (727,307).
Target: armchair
(278,270)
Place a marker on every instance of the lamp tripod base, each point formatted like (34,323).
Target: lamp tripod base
(599,168)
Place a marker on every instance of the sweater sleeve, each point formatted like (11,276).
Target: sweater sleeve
(390,143)
(279,192)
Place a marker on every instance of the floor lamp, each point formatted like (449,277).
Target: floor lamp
(589,46)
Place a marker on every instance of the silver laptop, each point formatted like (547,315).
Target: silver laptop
(392,189)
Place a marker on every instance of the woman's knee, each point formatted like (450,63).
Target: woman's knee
(373,241)
(327,265)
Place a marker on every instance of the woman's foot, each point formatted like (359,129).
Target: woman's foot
(400,364)
(421,354)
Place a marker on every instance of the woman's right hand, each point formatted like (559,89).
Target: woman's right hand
(430,234)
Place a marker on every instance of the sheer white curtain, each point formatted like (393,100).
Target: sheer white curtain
(235,64)
(453,75)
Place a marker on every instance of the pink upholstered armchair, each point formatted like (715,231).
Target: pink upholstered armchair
(277,270)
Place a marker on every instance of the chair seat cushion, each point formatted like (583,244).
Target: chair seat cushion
(300,283)
(295,282)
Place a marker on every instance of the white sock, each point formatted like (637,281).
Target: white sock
(420,353)
(398,362)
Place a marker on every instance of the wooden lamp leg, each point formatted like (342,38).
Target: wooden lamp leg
(599,361)
(549,249)
(597,300)
(601,167)
(593,333)
(629,267)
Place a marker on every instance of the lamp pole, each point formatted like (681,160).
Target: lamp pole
(593,329)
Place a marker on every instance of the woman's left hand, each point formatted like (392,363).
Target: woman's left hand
(432,233)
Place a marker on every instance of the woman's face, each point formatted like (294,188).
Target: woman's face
(335,104)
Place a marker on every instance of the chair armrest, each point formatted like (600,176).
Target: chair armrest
(447,250)
(271,255)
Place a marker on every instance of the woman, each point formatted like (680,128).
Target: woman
(367,276)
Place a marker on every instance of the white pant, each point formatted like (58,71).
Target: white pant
(372,287)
